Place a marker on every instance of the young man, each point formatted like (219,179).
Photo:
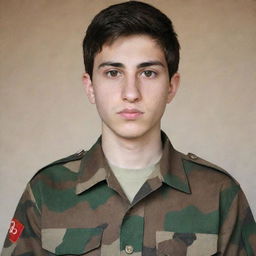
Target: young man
(132,193)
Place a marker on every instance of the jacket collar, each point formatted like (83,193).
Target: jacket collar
(171,167)
(94,168)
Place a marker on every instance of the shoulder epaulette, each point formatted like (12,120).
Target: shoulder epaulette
(74,157)
(196,159)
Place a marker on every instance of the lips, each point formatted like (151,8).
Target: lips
(130,114)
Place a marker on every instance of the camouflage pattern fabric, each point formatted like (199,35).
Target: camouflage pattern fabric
(187,207)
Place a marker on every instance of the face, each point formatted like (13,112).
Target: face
(130,86)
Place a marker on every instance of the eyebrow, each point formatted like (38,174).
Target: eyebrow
(112,64)
(150,63)
(121,65)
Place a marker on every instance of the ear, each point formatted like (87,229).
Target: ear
(89,87)
(173,86)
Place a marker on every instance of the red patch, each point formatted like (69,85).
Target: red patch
(15,230)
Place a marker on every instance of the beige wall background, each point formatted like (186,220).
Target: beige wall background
(45,114)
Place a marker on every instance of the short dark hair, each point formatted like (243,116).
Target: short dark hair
(130,18)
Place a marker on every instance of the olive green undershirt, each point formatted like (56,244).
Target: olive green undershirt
(131,180)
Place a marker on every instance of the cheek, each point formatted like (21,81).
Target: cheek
(102,110)
(157,97)
(157,104)
(104,101)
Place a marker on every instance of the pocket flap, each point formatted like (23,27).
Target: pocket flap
(76,241)
(189,244)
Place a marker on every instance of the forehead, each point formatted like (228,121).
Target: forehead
(134,48)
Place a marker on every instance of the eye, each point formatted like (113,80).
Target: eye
(112,73)
(149,73)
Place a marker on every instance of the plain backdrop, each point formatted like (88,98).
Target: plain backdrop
(45,115)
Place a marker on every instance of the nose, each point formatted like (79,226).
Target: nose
(131,91)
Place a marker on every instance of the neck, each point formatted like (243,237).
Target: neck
(132,153)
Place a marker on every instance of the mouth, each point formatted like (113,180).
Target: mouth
(130,114)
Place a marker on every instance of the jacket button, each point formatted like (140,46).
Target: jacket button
(129,249)
(192,156)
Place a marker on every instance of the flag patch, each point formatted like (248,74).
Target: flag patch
(15,230)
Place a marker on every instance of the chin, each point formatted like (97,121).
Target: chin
(130,130)
(131,134)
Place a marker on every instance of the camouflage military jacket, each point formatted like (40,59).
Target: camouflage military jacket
(188,206)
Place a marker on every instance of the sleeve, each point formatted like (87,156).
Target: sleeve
(24,233)
(237,234)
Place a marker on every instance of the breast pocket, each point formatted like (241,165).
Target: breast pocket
(186,244)
(72,241)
